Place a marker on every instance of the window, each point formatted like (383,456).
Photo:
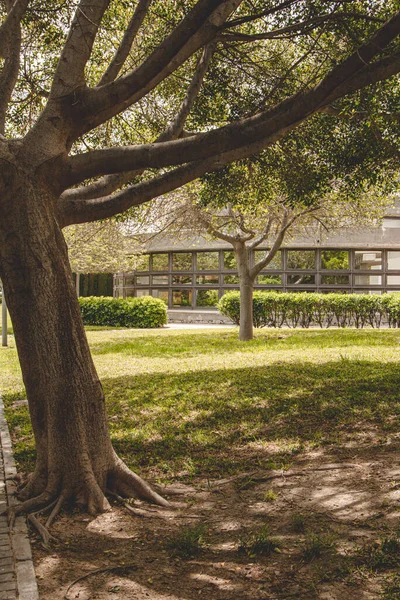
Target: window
(276,262)
(160,279)
(367,280)
(141,293)
(367,260)
(334,260)
(182,297)
(129,281)
(335,279)
(301,259)
(231,279)
(229,261)
(269,280)
(393,279)
(142,262)
(300,279)
(207,279)
(208,261)
(207,298)
(181,280)
(160,262)
(141,280)
(393,259)
(161,294)
(182,261)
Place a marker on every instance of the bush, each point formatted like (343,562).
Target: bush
(146,312)
(274,309)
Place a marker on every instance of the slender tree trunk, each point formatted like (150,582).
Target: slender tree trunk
(246,292)
(75,458)
(246,310)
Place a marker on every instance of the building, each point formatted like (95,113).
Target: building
(194,274)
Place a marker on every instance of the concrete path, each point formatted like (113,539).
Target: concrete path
(17,575)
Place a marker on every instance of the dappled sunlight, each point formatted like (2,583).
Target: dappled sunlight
(291,439)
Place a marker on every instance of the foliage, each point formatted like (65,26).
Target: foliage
(187,541)
(303,309)
(258,542)
(317,544)
(146,312)
(99,248)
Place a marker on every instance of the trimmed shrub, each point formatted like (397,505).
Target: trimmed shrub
(146,312)
(274,309)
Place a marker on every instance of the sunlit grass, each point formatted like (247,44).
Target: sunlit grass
(199,402)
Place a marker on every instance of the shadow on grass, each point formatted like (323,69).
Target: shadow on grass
(213,422)
(225,421)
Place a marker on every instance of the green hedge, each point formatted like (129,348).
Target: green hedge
(275,309)
(146,312)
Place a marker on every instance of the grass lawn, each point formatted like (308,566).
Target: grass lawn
(185,403)
(195,406)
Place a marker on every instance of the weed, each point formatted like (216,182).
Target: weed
(391,588)
(258,542)
(270,496)
(187,541)
(317,544)
(381,554)
(298,522)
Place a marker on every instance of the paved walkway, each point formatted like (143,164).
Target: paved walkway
(17,576)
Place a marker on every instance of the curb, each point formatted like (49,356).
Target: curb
(22,554)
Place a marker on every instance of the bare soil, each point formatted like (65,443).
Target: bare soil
(331,514)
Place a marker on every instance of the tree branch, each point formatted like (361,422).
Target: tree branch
(308,25)
(268,123)
(70,72)
(126,44)
(10,24)
(286,224)
(111,183)
(197,29)
(11,38)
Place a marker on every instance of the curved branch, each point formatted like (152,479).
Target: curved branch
(339,82)
(308,25)
(126,44)
(197,29)
(109,184)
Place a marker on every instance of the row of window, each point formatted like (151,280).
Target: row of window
(198,279)
(329,260)
(270,279)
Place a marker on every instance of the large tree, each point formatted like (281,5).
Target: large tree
(99,123)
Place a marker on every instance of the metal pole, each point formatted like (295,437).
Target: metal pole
(3,320)
(77,281)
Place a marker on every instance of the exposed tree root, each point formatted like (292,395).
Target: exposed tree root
(42,530)
(97,572)
(56,510)
(124,482)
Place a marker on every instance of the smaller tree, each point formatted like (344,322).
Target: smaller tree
(251,220)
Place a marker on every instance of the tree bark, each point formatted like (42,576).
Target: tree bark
(246,284)
(75,458)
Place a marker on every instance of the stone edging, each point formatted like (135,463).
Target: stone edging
(25,573)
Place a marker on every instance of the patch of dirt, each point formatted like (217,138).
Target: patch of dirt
(330,515)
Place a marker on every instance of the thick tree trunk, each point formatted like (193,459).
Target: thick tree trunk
(75,458)
(246,292)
